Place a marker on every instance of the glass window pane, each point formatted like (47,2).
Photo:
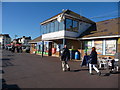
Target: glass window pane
(44,28)
(88,47)
(41,29)
(75,25)
(61,25)
(110,47)
(99,47)
(52,27)
(68,24)
(56,25)
(47,28)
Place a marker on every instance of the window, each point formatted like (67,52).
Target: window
(52,27)
(48,28)
(61,25)
(103,47)
(69,24)
(56,25)
(41,29)
(110,47)
(88,46)
(75,25)
(99,47)
(44,28)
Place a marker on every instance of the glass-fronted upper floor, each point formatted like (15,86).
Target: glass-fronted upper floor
(54,26)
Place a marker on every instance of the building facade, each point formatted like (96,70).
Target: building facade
(80,34)
(106,38)
(4,40)
(64,28)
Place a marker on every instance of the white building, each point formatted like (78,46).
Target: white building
(63,28)
(4,40)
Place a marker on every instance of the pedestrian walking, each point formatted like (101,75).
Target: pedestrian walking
(65,57)
(13,49)
(17,49)
(20,49)
(93,61)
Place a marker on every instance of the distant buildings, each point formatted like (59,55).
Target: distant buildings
(23,41)
(4,40)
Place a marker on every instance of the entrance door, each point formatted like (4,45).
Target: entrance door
(50,49)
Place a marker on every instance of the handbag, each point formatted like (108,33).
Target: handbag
(90,60)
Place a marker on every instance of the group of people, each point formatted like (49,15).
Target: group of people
(90,61)
(16,48)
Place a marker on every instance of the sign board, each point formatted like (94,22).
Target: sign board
(119,41)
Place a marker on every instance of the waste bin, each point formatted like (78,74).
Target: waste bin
(76,55)
(72,53)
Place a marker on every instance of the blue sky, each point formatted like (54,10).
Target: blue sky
(23,18)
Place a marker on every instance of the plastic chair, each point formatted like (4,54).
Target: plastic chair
(103,62)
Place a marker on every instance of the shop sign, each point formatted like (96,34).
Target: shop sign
(119,41)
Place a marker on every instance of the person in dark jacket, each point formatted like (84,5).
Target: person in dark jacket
(93,61)
(65,56)
(13,49)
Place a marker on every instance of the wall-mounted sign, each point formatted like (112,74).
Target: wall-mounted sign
(119,41)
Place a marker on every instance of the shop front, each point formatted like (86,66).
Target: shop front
(106,47)
(44,47)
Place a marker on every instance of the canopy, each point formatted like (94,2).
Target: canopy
(8,44)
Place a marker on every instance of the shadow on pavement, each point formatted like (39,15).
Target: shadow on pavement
(6,86)
(9,87)
(10,55)
(78,70)
(6,59)
(6,62)
(115,72)
(108,74)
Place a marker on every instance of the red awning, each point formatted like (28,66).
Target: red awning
(18,45)
(8,44)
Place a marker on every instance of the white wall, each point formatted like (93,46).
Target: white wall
(53,35)
(1,37)
(6,40)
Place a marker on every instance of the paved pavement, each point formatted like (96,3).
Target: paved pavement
(25,70)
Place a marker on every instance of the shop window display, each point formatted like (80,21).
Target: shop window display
(110,47)
(88,46)
(99,47)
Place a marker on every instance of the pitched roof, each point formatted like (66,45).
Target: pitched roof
(7,35)
(69,12)
(38,39)
(103,28)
